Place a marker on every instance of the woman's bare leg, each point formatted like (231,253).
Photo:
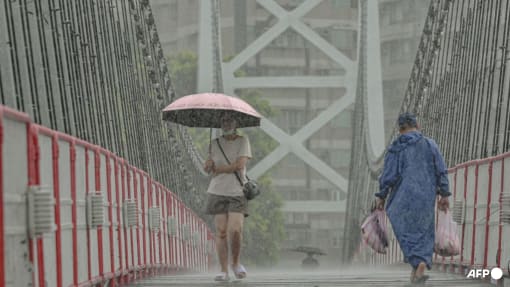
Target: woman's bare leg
(235,231)
(221,224)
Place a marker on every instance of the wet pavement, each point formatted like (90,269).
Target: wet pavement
(395,275)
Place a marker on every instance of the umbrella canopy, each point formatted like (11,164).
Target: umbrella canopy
(205,111)
(308,249)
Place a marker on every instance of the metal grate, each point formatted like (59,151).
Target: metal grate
(172,225)
(130,213)
(95,209)
(505,208)
(185,232)
(459,211)
(154,218)
(41,211)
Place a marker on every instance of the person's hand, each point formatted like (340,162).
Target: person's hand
(209,165)
(443,204)
(379,203)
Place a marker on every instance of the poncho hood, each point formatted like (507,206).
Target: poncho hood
(405,140)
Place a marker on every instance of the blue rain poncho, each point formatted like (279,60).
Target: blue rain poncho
(414,173)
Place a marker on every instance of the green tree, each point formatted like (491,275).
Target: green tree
(264,228)
(183,72)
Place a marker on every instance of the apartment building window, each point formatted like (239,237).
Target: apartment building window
(324,155)
(288,39)
(394,87)
(320,221)
(288,195)
(343,39)
(292,119)
(279,71)
(289,218)
(396,51)
(251,33)
(396,14)
(323,72)
(340,158)
(295,39)
(323,194)
(383,14)
(296,218)
(281,41)
(295,3)
(292,160)
(300,218)
(345,4)
(302,195)
(411,10)
(323,238)
(297,195)
(393,13)
(303,236)
(343,120)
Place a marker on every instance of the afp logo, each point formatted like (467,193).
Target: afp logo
(496,273)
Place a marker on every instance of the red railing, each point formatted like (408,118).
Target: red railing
(75,253)
(479,187)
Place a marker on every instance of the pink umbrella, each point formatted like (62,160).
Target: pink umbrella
(205,111)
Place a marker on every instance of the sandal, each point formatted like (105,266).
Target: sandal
(413,275)
(239,271)
(420,269)
(222,276)
(420,280)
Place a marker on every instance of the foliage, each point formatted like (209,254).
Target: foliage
(262,143)
(183,72)
(264,228)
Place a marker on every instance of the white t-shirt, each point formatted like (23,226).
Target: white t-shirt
(227,184)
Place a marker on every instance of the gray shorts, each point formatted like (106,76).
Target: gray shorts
(219,204)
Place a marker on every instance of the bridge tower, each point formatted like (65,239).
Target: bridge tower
(307,142)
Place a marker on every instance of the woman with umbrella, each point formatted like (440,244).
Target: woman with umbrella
(228,156)
(226,201)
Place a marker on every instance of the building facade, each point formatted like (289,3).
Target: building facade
(401,23)
(314,208)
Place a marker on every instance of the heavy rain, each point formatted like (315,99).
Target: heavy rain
(254,143)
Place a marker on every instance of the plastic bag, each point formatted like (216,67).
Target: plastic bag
(374,231)
(447,242)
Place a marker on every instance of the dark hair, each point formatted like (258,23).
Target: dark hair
(407,120)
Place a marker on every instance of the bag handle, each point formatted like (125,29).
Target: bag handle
(228,161)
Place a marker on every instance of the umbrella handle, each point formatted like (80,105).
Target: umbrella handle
(210,139)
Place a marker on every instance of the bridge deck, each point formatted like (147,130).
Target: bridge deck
(396,275)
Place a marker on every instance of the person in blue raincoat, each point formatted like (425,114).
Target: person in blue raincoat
(413,176)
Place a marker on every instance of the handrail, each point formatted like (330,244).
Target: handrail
(166,235)
(480,186)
